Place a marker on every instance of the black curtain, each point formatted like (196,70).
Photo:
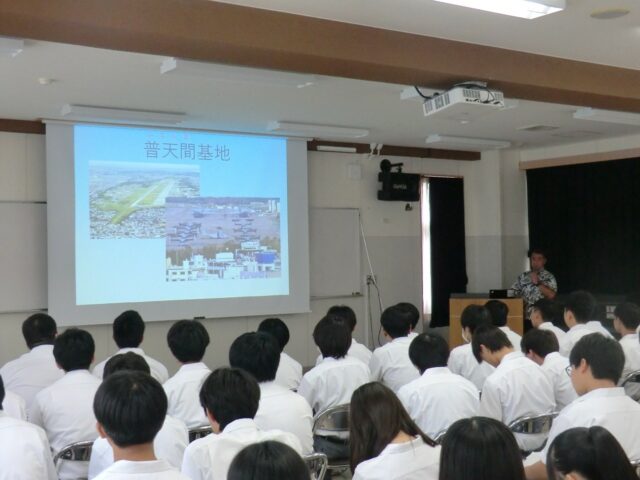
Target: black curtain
(588,218)
(448,260)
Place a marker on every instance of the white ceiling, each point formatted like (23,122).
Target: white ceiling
(89,76)
(569,34)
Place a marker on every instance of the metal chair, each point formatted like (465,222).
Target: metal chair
(534,425)
(632,380)
(333,422)
(636,466)
(74,452)
(440,436)
(199,432)
(318,464)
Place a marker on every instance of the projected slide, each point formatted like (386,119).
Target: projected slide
(173,215)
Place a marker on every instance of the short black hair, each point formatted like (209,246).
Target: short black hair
(412,310)
(1,392)
(474,316)
(537,250)
(39,329)
(604,355)
(257,353)
(188,340)
(491,337)
(131,407)
(268,460)
(73,349)
(396,321)
(629,314)
(230,394)
(277,328)
(499,312)
(125,361)
(332,336)
(128,329)
(582,304)
(428,351)
(346,313)
(540,342)
(547,309)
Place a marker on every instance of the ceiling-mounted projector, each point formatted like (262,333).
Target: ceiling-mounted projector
(463,103)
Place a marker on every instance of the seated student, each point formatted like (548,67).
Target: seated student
(356,350)
(188,340)
(499,314)
(414,318)
(24,453)
(438,398)
(128,333)
(578,309)
(64,408)
(230,396)
(268,461)
(596,364)
(461,360)
(517,388)
(170,442)
(480,448)
(626,322)
(333,381)
(289,370)
(31,372)
(130,408)
(588,454)
(390,363)
(543,313)
(14,405)
(259,354)
(541,346)
(385,443)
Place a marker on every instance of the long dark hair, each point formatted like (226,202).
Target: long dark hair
(592,452)
(376,417)
(480,448)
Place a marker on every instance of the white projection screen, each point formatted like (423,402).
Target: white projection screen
(174,223)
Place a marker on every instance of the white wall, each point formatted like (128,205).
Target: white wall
(393,237)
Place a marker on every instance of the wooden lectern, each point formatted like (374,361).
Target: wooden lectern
(458,302)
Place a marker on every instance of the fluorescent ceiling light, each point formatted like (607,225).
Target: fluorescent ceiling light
(11,46)
(335,148)
(607,116)
(230,73)
(316,131)
(465,143)
(528,9)
(120,115)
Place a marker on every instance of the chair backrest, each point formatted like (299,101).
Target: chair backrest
(332,421)
(636,466)
(317,463)
(199,432)
(439,436)
(75,452)
(633,377)
(534,425)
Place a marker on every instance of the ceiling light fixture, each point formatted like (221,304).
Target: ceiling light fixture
(465,143)
(528,9)
(315,131)
(11,47)
(335,148)
(610,13)
(607,116)
(230,73)
(121,115)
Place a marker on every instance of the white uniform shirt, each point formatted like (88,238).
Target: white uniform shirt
(391,365)
(606,407)
(596,327)
(631,348)
(209,458)
(332,382)
(151,470)
(463,363)
(555,367)
(438,398)
(518,388)
(65,411)
(158,370)
(14,406)
(356,350)
(558,332)
(414,460)
(289,372)
(169,444)
(31,372)
(24,451)
(282,409)
(513,337)
(574,334)
(183,393)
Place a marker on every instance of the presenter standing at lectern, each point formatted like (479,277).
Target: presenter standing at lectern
(536,283)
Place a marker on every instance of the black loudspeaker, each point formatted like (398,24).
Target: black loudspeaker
(401,187)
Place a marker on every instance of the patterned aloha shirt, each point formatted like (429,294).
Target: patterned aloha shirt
(523,287)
